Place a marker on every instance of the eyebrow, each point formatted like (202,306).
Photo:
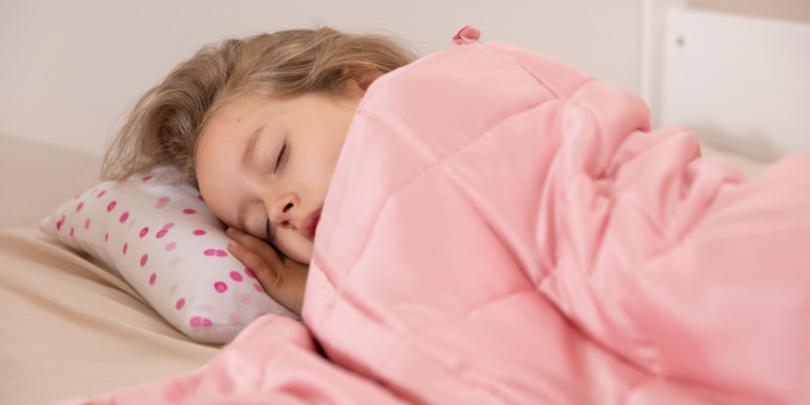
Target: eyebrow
(247,156)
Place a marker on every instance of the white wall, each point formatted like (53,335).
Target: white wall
(790,10)
(70,70)
(740,83)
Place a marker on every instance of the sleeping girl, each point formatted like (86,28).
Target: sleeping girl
(257,125)
(484,218)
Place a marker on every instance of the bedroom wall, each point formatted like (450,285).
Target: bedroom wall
(792,10)
(71,70)
(653,27)
(739,83)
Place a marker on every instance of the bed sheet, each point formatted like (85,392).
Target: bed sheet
(70,327)
(750,167)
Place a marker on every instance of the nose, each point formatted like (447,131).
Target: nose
(281,209)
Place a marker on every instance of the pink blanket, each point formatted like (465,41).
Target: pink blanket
(502,228)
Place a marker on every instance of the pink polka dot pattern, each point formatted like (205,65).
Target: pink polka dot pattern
(199,322)
(162,201)
(233,318)
(164,230)
(200,290)
(215,252)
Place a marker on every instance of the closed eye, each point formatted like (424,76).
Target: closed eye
(280,156)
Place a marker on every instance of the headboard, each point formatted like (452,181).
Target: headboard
(741,83)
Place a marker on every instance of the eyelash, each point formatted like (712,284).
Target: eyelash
(280,156)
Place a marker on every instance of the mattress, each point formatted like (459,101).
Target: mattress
(70,326)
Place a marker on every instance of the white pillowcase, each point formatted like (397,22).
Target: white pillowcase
(155,230)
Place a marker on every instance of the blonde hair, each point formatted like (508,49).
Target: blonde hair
(165,124)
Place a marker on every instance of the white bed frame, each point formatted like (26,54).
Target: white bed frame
(740,83)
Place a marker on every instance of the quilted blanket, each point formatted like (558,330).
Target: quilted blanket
(502,228)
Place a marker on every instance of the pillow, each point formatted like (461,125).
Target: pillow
(156,232)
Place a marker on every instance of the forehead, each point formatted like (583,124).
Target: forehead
(220,142)
(240,110)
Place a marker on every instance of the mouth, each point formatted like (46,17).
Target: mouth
(311,223)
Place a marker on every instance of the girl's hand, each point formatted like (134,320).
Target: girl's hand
(283,279)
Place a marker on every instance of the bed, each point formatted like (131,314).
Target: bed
(74,328)
(71,326)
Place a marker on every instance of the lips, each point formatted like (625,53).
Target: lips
(311,223)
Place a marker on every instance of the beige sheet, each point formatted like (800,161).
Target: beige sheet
(70,328)
(750,167)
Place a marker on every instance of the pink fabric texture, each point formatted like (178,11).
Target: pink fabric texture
(502,228)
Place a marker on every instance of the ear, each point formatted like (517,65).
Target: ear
(367,79)
(360,85)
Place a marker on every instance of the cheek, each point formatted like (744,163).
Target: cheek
(294,246)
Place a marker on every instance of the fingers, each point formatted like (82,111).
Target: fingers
(282,278)
(266,275)
(258,246)
(256,255)
(287,290)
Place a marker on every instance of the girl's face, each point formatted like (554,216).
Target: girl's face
(264,165)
